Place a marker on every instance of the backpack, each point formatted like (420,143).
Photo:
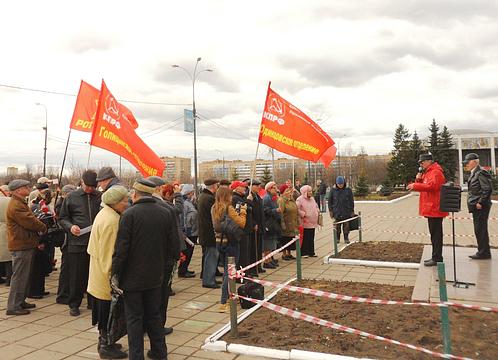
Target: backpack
(250,290)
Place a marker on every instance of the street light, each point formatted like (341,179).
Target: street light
(194,114)
(46,130)
(223,162)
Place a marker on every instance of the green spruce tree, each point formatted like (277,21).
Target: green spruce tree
(267,177)
(447,157)
(235,175)
(362,186)
(397,168)
(434,140)
(415,150)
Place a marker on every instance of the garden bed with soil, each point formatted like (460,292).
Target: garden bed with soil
(474,333)
(391,251)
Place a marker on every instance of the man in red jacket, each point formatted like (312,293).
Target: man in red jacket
(428,182)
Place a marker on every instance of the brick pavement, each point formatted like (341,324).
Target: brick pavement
(50,333)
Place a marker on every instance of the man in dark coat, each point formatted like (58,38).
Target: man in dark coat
(78,211)
(429,183)
(255,202)
(341,206)
(145,236)
(238,200)
(206,234)
(322,191)
(479,204)
(106,178)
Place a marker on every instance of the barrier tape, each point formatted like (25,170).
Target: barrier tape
(314,320)
(347,220)
(419,217)
(420,234)
(357,299)
(241,272)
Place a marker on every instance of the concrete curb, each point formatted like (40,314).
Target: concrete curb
(382,201)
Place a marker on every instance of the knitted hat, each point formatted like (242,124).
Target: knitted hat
(114,195)
(187,189)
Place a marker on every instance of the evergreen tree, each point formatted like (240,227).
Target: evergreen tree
(267,177)
(415,151)
(235,175)
(434,140)
(362,186)
(447,157)
(397,168)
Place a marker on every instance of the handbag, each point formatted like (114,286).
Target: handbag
(354,224)
(116,326)
(320,219)
(230,229)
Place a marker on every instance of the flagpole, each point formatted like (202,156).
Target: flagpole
(89,154)
(64,157)
(257,147)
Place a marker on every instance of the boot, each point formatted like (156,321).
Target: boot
(112,351)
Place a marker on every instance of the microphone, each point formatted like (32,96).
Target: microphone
(421,169)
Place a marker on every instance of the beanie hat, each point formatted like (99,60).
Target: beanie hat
(340,180)
(105,173)
(283,188)
(187,189)
(269,185)
(114,195)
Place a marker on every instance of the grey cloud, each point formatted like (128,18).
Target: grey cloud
(83,43)
(484,92)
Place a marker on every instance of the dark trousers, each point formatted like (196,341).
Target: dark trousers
(345,228)
(254,253)
(189,252)
(480,218)
(142,312)
(244,253)
(165,289)
(308,247)
(78,277)
(63,289)
(436,231)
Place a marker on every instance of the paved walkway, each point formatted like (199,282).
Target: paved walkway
(50,333)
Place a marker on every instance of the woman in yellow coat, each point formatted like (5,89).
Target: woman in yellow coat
(100,248)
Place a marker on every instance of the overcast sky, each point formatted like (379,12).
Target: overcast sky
(357,67)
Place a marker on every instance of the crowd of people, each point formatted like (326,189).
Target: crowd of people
(130,242)
(119,243)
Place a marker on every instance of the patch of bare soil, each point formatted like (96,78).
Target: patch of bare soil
(474,333)
(394,251)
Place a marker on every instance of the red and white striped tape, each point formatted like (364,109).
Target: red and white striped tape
(357,299)
(302,316)
(419,234)
(241,272)
(419,217)
(347,220)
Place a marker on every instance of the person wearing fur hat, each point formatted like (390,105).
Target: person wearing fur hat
(78,211)
(341,206)
(100,248)
(145,238)
(308,215)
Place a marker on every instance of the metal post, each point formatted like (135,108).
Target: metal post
(443,296)
(298,260)
(232,290)
(360,235)
(194,114)
(46,133)
(334,231)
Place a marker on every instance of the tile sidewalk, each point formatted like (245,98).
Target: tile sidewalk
(50,333)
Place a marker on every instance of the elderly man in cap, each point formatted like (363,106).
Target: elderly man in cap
(145,237)
(78,212)
(239,199)
(479,204)
(207,237)
(428,183)
(255,202)
(22,236)
(41,184)
(100,248)
(173,254)
(106,178)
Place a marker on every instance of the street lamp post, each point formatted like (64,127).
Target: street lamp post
(193,77)
(46,130)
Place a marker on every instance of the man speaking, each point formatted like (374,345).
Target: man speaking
(428,182)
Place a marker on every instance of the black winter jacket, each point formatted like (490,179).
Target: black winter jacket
(257,213)
(206,231)
(79,208)
(174,254)
(480,189)
(239,199)
(145,238)
(341,202)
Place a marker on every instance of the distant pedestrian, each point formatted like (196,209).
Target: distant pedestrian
(429,183)
(308,214)
(190,226)
(322,191)
(22,236)
(341,207)
(479,204)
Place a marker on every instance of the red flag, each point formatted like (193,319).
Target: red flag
(287,129)
(112,131)
(86,107)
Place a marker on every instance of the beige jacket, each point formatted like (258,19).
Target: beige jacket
(100,248)
(4,251)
